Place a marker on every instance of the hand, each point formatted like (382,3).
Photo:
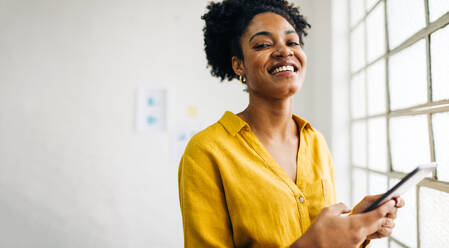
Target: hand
(332,230)
(388,225)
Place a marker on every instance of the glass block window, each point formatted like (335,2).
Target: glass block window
(377,183)
(359,143)
(358,96)
(406,224)
(433,216)
(405,18)
(358,48)
(437,8)
(409,141)
(375,27)
(399,94)
(378,243)
(359,178)
(393,244)
(441,133)
(358,10)
(376,88)
(377,144)
(370,3)
(408,73)
(440,71)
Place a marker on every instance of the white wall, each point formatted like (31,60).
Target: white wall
(74,172)
(340,98)
(324,98)
(314,101)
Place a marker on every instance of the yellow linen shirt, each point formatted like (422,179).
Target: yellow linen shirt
(234,194)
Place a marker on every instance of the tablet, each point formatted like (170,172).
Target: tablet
(409,181)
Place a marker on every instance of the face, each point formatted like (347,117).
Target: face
(274,63)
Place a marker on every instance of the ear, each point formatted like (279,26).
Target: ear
(238,66)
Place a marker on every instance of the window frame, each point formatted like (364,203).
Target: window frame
(428,109)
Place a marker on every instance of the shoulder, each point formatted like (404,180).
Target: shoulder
(217,136)
(202,152)
(313,137)
(206,139)
(309,131)
(318,136)
(318,141)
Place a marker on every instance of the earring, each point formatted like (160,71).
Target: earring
(242,79)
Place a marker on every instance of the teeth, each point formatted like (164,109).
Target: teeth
(284,68)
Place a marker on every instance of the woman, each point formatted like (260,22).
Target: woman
(261,177)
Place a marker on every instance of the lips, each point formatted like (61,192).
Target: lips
(283,66)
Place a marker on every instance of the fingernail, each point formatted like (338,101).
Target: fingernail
(396,201)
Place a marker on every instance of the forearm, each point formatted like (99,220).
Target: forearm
(300,243)
(304,241)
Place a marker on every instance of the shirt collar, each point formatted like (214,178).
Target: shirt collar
(233,124)
(301,122)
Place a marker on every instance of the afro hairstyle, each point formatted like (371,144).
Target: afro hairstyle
(225,23)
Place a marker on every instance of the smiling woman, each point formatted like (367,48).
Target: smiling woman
(262,177)
(274,63)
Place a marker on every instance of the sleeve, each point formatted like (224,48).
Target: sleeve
(205,217)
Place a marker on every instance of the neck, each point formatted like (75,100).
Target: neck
(270,118)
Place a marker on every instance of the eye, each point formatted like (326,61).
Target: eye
(292,43)
(261,46)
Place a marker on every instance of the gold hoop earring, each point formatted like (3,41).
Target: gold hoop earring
(242,79)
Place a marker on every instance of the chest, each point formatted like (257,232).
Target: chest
(264,208)
(286,156)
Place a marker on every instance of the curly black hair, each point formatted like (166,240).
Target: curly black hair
(226,22)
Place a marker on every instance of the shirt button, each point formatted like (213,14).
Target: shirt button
(301,199)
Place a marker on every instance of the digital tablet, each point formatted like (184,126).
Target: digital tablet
(409,181)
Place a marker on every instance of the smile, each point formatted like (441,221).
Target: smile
(283,68)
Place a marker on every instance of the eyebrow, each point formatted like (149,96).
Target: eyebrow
(265,33)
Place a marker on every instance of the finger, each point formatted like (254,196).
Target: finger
(337,209)
(374,219)
(399,202)
(364,203)
(374,236)
(385,230)
(382,233)
(384,209)
(393,213)
(377,196)
(346,211)
(388,223)
(371,198)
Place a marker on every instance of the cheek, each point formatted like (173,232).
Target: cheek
(256,65)
(302,57)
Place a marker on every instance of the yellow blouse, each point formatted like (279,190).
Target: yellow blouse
(233,193)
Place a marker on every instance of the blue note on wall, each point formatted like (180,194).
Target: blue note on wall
(151,112)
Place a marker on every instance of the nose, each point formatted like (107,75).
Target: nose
(283,51)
